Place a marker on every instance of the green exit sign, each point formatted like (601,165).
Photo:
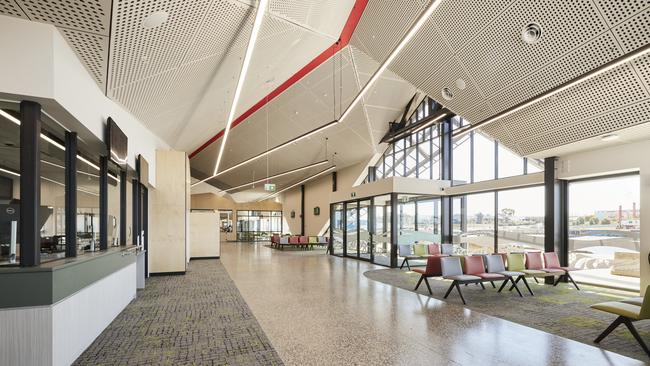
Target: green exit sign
(269,187)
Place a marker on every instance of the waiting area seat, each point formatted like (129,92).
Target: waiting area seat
(476,272)
(628,311)
(298,241)
(417,252)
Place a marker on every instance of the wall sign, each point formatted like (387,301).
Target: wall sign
(316,211)
(293,214)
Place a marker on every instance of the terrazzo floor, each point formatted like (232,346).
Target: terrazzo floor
(198,318)
(321,310)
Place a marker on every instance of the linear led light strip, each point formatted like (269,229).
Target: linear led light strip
(299,183)
(590,75)
(278,175)
(400,46)
(47,179)
(274,149)
(56,143)
(259,16)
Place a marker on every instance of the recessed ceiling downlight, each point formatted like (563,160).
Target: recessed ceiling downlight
(610,137)
(155,19)
(531,33)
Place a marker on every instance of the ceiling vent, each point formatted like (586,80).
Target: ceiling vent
(531,33)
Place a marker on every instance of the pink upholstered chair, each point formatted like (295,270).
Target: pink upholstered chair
(433,269)
(552,263)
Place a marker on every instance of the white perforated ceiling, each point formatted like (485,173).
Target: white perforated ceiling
(84,24)
(480,43)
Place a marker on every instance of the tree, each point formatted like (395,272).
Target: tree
(605,221)
(580,221)
(593,221)
(507,214)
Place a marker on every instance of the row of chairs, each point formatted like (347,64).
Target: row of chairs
(422,251)
(463,270)
(298,241)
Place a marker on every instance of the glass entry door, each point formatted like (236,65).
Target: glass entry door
(351,226)
(365,234)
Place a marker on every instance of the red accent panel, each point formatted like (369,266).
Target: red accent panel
(344,39)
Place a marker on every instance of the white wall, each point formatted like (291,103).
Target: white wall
(45,69)
(204,234)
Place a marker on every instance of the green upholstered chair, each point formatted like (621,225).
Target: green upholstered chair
(628,311)
(420,250)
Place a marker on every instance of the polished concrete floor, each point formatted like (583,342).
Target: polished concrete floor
(321,310)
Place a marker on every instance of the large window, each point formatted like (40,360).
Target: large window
(478,237)
(10,189)
(258,225)
(604,231)
(484,158)
(521,220)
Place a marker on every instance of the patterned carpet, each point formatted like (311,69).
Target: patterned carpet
(199,318)
(558,310)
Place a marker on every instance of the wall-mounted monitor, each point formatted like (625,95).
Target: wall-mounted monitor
(117,144)
(143,170)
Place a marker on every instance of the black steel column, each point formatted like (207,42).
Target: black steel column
(555,230)
(394,230)
(30,183)
(70,194)
(344,224)
(103,203)
(122,207)
(496,222)
(145,228)
(446,160)
(372,228)
(302,209)
(334,182)
(330,248)
(135,185)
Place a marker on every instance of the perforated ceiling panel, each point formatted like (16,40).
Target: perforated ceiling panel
(91,16)
(138,52)
(10,8)
(383,24)
(92,49)
(481,43)
(321,16)
(83,24)
(617,11)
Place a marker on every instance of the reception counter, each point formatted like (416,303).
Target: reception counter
(49,314)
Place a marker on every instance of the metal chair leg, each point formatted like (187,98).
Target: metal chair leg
(636,335)
(516,288)
(609,329)
(556,282)
(426,282)
(525,283)
(482,286)
(493,286)
(503,285)
(461,294)
(572,281)
(535,278)
(404,261)
(451,287)
(419,282)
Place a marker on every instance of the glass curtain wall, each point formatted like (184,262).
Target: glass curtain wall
(521,220)
(113,204)
(365,237)
(87,205)
(604,231)
(52,209)
(258,225)
(478,235)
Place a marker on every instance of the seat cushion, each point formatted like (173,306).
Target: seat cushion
(491,276)
(638,301)
(554,270)
(534,272)
(463,278)
(619,308)
(512,273)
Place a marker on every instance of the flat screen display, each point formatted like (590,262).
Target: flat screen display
(117,144)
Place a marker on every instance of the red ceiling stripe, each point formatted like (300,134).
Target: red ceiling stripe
(344,39)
